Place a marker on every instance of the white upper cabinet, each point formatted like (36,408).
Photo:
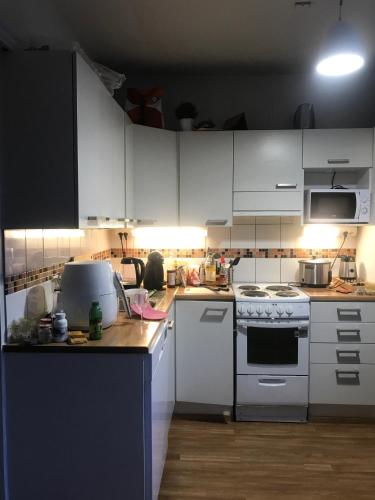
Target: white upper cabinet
(152,175)
(338,148)
(206,178)
(268,175)
(100,148)
(268,160)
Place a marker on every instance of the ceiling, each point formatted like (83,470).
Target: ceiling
(205,36)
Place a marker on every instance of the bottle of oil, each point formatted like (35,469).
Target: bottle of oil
(210,268)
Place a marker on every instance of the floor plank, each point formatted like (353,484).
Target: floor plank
(262,461)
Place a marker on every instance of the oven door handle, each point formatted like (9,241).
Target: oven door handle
(301,326)
(271,382)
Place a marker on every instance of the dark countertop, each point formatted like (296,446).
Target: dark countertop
(328,295)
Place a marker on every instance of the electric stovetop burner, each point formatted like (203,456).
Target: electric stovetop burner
(287,294)
(255,293)
(279,288)
(248,288)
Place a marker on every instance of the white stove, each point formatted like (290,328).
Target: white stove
(272,352)
(272,301)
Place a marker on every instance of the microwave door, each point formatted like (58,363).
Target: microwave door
(331,206)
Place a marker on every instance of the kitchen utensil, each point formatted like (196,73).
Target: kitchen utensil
(121,293)
(348,268)
(138,268)
(149,313)
(83,283)
(314,272)
(154,273)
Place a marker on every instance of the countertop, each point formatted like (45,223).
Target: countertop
(327,295)
(202,293)
(126,335)
(130,335)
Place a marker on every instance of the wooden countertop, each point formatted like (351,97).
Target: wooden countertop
(126,335)
(202,293)
(327,295)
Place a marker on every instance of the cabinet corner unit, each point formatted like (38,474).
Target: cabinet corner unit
(63,143)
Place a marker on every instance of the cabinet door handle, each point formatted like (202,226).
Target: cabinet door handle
(347,377)
(216,222)
(272,382)
(348,335)
(350,357)
(349,314)
(211,315)
(170,324)
(286,186)
(338,161)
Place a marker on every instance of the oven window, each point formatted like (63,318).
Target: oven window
(333,205)
(272,346)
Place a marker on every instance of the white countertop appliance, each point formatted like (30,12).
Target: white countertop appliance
(85,282)
(339,206)
(271,352)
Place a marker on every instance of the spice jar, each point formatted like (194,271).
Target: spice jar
(171,278)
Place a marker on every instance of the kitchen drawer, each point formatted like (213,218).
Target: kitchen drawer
(337,148)
(272,390)
(342,354)
(343,312)
(342,384)
(343,334)
(267,201)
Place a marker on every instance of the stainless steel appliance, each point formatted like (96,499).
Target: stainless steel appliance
(348,268)
(341,206)
(314,272)
(272,352)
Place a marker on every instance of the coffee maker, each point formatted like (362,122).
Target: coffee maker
(154,273)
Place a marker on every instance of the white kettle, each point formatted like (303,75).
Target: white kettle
(85,282)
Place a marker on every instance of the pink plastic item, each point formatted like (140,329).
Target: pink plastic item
(149,312)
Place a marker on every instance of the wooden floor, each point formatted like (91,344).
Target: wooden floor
(259,461)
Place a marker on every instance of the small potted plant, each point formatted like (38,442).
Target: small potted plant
(186,114)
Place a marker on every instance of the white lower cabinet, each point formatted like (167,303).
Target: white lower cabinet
(272,390)
(204,352)
(342,353)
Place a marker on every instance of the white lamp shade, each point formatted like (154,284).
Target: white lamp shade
(342,53)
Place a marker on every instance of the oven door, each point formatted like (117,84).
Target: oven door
(272,347)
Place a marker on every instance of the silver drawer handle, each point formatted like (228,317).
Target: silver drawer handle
(349,357)
(286,186)
(347,377)
(272,382)
(211,315)
(349,314)
(348,335)
(170,324)
(338,161)
(216,222)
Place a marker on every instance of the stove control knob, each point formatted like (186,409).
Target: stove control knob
(279,311)
(259,310)
(241,311)
(268,311)
(250,310)
(289,311)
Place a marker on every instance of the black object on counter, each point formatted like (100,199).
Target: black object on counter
(139,268)
(154,273)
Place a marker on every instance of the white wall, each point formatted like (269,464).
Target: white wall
(366,253)
(269,101)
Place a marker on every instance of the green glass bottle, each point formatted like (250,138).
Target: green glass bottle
(95,321)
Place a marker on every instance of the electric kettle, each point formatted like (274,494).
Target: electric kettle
(138,270)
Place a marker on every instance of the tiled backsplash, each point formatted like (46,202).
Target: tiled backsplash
(270,248)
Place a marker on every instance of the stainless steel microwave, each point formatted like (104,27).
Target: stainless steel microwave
(340,206)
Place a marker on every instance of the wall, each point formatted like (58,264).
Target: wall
(269,247)
(33,257)
(269,101)
(365,253)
